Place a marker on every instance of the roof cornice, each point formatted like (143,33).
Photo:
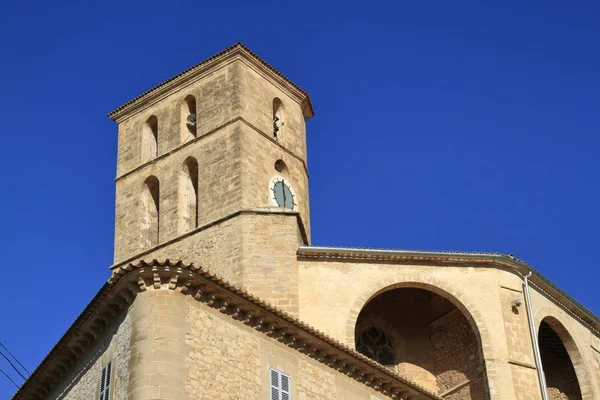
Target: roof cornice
(129,280)
(491,260)
(237,51)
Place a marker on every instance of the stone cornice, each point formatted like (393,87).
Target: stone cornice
(237,51)
(129,280)
(491,260)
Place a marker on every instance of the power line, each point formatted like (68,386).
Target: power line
(16,359)
(12,365)
(10,379)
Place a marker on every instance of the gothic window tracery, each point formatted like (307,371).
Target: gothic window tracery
(376,344)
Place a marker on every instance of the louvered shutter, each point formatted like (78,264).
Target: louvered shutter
(105,382)
(280,385)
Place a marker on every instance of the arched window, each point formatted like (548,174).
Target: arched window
(150,139)
(188,196)
(278,118)
(375,344)
(188,119)
(150,212)
(559,370)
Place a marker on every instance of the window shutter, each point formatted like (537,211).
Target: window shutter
(280,385)
(105,382)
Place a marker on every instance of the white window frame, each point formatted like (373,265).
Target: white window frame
(105,384)
(276,391)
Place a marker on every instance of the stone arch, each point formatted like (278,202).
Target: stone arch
(150,139)
(188,119)
(150,212)
(445,290)
(278,118)
(188,196)
(555,319)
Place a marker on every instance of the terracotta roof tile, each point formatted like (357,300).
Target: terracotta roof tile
(238,45)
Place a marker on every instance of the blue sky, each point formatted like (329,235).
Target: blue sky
(439,125)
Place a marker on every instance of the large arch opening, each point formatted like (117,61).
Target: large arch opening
(559,370)
(423,336)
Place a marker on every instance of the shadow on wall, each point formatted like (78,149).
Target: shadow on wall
(561,379)
(423,336)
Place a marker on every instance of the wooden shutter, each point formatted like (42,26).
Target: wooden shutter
(280,385)
(105,381)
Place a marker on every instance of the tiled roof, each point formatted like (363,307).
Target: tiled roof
(237,46)
(333,353)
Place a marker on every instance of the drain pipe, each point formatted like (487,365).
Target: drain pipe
(534,338)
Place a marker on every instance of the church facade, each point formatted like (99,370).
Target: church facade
(217,293)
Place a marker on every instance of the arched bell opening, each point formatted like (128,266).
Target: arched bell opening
(424,337)
(559,369)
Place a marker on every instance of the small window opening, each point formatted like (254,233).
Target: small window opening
(105,382)
(281,168)
(280,385)
(278,118)
(189,119)
(150,139)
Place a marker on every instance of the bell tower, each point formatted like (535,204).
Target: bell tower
(211,169)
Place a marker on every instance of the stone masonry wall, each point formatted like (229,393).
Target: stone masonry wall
(258,157)
(525,383)
(269,265)
(230,361)
(225,156)
(83,382)
(219,190)
(217,249)
(217,102)
(458,365)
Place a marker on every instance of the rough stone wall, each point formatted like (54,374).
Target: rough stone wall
(258,93)
(269,265)
(315,382)
(219,185)
(230,361)
(258,157)
(516,326)
(234,148)
(525,383)
(457,365)
(83,382)
(217,102)
(218,248)
(596,363)
(223,362)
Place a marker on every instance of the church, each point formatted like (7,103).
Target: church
(217,293)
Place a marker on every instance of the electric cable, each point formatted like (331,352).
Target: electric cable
(10,379)
(12,365)
(16,359)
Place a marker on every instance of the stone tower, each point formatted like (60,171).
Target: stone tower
(211,169)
